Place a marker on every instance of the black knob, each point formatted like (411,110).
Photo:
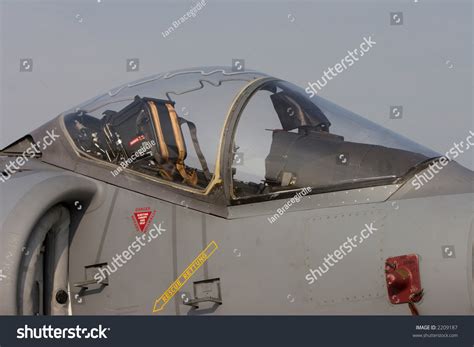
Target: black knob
(61,297)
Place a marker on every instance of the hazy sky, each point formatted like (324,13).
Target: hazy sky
(79,49)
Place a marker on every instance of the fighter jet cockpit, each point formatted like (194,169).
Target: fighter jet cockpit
(175,128)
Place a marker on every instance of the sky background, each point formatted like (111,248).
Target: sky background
(80,48)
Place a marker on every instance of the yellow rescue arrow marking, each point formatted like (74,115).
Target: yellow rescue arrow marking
(161,302)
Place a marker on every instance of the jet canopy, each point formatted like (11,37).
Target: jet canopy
(260,135)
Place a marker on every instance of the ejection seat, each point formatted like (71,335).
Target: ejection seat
(147,119)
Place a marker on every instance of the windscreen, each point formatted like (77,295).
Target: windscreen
(286,140)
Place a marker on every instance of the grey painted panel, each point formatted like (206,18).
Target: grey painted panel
(134,286)
(260,266)
(424,226)
(357,276)
(19,185)
(317,201)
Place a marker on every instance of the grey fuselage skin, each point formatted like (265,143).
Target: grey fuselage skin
(261,266)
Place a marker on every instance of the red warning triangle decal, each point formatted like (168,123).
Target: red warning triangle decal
(142,219)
